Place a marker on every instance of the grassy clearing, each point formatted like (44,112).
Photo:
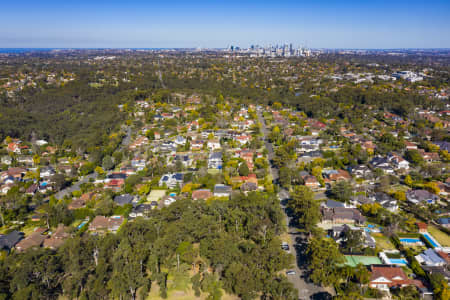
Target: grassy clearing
(155,195)
(183,295)
(383,242)
(441,237)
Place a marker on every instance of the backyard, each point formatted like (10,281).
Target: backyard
(383,241)
(441,237)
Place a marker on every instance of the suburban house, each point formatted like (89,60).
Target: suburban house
(386,277)
(47,172)
(6,160)
(101,223)
(8,241)
(430,258)
(334,204)
(16,173)
(311,181)
(180,140)
(197,145)
(422,227)
(221,190)
(361,171)
(213,144)
(171,180)
(14,147)
(248,187)
(124,199)
(421,196)
(383,164)
(386,201)
(445,222)
(201,194)
(338,175)
(33,240)
(398,162)
(140,210)
(337,233)
(342,215)
(410,145)
(215,160)
(243,139)
(138,163)
(185,160)
(57,238)
(76,204)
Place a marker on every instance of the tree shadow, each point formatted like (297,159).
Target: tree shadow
(321,296)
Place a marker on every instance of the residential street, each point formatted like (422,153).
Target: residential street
(306,290)
(76,186)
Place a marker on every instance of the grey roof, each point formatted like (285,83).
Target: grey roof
(431,256)
(421,195)
(117,176)
(178,176)
(249,186)
(11,239)
(144,207)
(444,221)
(123,199)
(215,155)
(221,188)
(333,204)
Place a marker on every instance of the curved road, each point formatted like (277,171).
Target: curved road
(76,186)
(305,289)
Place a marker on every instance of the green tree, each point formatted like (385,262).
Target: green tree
(414,156)
(323,258)
(243,169)
(342,191)
(107,163)
(305,207)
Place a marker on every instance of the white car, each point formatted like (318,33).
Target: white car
(290,272)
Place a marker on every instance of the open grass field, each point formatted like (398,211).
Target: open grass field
(383,242)
(440,236)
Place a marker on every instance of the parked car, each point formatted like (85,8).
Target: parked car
(290,272)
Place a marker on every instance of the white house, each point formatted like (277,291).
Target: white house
(214,144)
(215,160)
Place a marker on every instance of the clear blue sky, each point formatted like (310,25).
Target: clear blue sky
(140,23)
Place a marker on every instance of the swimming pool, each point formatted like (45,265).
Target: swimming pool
(431,240)
(410,240)
(398,261)
(82,224)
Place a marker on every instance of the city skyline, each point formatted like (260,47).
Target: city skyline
(210,24)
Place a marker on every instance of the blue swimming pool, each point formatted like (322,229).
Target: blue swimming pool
(81,224)
(410,240)
(398,261)
(430,239)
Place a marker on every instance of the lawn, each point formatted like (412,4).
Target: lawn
(214,171)
(441,237)
(383,242)
(155,195)
(398,187)
(183,295)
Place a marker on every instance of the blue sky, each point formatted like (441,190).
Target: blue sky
(140,23)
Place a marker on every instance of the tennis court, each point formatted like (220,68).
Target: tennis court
(354,260)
